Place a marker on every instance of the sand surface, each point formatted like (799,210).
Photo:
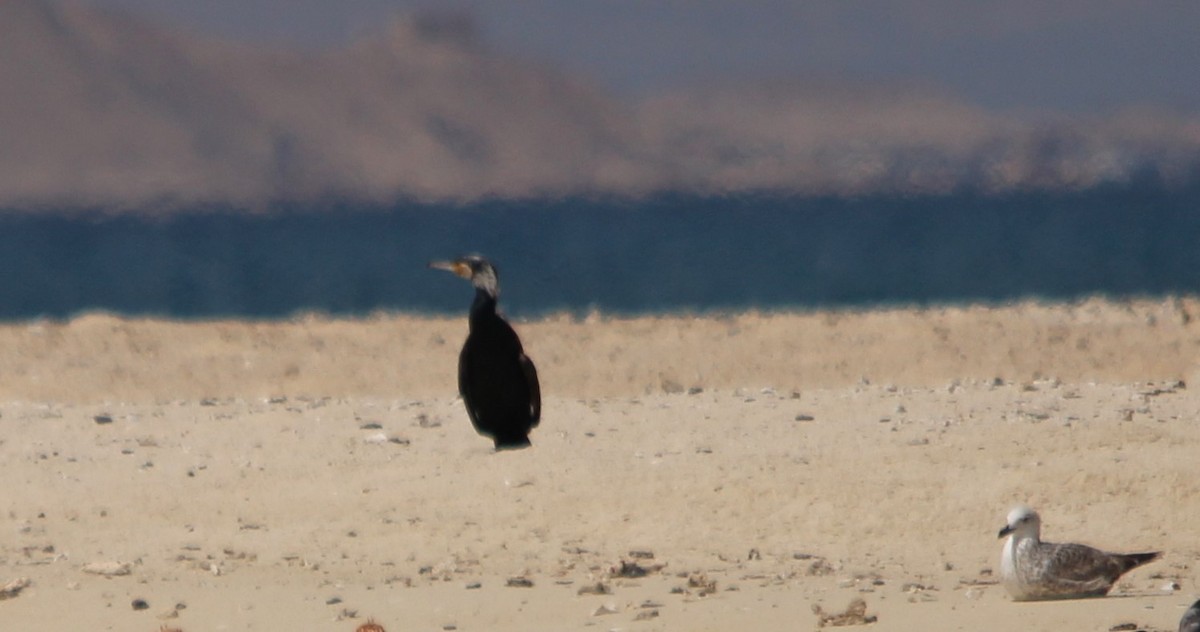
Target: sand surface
(308,474)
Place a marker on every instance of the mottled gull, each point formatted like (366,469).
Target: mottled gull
(1032,570)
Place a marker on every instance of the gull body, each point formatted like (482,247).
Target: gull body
(1032,570)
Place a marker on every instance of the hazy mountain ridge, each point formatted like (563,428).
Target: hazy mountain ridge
(104,110)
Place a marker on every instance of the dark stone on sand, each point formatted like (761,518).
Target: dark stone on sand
(631,570)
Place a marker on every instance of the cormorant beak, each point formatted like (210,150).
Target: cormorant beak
(457,267)
(1005,531)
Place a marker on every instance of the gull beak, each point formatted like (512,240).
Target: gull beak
(1005,531)
(457,267)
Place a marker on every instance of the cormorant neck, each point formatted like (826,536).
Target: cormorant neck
(483,305)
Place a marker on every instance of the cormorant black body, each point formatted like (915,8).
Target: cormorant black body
(497,381)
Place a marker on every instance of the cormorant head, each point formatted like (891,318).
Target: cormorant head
(1023,522)
(474,268)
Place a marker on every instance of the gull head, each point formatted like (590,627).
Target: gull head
(1022,522)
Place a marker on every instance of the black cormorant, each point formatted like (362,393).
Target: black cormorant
(497,381)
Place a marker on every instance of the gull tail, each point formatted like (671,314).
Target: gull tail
(1130,561)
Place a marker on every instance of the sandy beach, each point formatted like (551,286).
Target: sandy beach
(690,473)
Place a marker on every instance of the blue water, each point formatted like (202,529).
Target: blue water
(668,253)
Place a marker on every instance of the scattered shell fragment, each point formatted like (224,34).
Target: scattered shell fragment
(108,569)
(702,584)
(855,614)
(14,587)
(370,626)
(820,567)
(608,608)
(380,438)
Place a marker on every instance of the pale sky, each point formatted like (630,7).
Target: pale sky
(1071,55)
